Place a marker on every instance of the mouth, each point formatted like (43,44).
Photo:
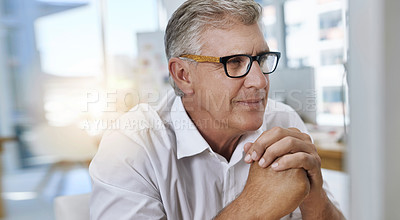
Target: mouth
(251,103)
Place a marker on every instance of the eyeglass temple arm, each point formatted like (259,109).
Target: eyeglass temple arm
(200,59)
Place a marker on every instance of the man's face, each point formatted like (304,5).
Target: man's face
(237,103)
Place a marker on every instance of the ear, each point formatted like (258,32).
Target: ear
(179,70)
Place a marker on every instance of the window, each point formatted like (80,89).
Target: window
(330,25)
(331,57)
(88,49)
(299,17)
(312,33)
(270,23)
(8,7)
(69,42)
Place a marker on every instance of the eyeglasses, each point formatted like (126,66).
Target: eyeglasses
(239,65)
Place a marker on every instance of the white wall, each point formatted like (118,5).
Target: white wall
(6,128)
(374,109)
(392,103)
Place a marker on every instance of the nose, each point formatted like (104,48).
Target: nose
(255,78)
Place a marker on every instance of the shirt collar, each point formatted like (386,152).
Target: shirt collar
(239,153)
(188,139)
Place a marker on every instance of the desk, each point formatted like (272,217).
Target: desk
(331,155)
(329,149)
(2,141)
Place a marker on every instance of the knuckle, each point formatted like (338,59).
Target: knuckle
(318,160)
(274,128)
(270,152)
(303,157)
(277,130)
(283,161)
(258,148)
(289,141)
(295,129)
(306,137)
(314,147)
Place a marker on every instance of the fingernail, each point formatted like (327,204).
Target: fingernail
(261,162)
(247,158)
(274,165)
(254,155)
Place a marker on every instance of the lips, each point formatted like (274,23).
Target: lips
(252,100)
(252,103)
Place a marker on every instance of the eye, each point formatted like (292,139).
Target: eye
(238,61)
(263,59)
(235,61)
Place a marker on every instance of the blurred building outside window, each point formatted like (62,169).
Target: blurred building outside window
(77,61)
(93,78)
(314,36)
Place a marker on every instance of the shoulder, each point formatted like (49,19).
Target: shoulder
(132,149)
(120,161)
(147,117)
(123,179)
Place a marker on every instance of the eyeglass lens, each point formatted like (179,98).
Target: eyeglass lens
(239,65)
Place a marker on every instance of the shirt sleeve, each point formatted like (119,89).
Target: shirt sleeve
(123,182)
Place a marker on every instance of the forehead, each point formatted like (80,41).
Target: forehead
(237,39)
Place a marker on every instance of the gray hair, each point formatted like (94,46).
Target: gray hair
(189,21)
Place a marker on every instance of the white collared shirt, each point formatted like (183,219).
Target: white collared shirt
(156,165)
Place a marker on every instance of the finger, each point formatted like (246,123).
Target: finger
(309,162)
(247,146)
(294,129)
(266,139)
(271,136)
(302,136)
(297,160)
(287,145)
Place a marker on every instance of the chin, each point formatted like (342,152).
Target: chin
(252,127)
(250,122)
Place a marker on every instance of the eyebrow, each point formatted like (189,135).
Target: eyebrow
(264,51)
(250,54)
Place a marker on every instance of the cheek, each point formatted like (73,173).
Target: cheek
(216,90)
(217,98)
(267,88)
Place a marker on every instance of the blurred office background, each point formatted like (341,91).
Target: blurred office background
(69,68)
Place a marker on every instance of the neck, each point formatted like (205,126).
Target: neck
(222,139)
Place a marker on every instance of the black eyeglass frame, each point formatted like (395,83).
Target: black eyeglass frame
(224,60)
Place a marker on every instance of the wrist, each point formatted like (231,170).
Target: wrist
(242,208)
(314,204)
(266,212)
(319,207)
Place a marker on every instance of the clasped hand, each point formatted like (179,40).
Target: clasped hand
(284,149)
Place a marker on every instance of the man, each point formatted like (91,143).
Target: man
(216,149)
